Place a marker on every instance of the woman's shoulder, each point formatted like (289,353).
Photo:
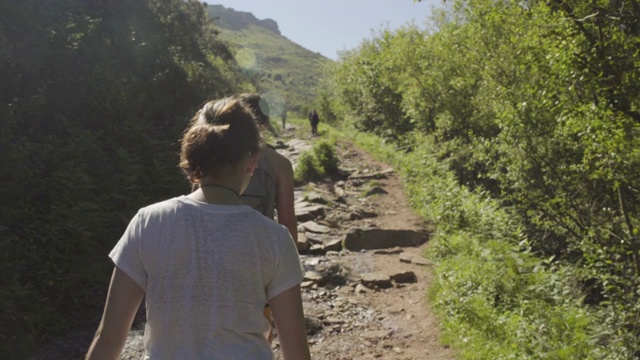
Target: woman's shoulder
(162,207)
(277,161)
(273,155)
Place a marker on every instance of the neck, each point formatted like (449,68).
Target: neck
(219,186)
(217,193)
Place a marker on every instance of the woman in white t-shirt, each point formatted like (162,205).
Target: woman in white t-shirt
(205,263)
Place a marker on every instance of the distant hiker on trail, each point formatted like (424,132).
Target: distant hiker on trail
(206,263)
(314,120)
(284,119)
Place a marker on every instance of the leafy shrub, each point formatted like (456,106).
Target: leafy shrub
(327,159)
(537,127)
(79,158)
(309,168)
(316,163)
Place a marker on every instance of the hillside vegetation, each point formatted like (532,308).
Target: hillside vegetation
(517,126)
(287,73)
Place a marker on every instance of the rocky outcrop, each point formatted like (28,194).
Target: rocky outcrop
(238,20)
(270,24)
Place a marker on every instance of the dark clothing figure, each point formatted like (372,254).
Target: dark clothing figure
(314,120)
(284,119)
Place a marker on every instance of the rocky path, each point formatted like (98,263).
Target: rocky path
(367,301)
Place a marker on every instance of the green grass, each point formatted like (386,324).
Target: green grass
(495,299)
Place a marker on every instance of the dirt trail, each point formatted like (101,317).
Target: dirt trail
(360,303)
(364,303)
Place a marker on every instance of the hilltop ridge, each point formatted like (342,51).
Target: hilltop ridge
(237,20)
(286,73)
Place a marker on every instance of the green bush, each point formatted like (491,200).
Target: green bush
(326,154)
(541,121)
(316,163)
(90,138)
(309,168)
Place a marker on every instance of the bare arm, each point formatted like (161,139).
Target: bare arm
(289,318)
(123,300)
(285,198)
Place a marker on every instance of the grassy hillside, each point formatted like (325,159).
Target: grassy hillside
(285,72)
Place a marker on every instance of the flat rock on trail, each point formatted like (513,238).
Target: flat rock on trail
(364,294)
(364,303)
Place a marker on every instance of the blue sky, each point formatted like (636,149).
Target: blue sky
(328,26)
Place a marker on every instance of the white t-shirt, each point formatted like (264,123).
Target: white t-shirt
(208,271)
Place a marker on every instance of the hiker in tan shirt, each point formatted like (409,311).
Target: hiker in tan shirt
(271,187)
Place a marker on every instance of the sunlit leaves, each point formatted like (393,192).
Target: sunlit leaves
(536,102)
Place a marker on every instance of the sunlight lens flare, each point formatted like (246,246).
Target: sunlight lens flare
(246,59)
(276,101)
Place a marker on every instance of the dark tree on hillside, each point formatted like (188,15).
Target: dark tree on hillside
(93,97)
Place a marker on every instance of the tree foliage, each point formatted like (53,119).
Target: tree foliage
(537,103)
(93,98)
